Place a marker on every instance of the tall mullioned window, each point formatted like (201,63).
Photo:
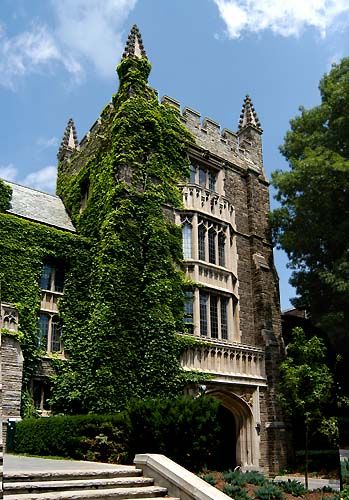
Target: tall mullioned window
(214,315)
(203,314)
(221,249)
(203,175)
(187,240)
(52,278)
(49,332)
(188,312)
(211,242)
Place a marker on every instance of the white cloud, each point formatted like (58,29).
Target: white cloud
(8,172)
(93,33)
(45,142)
(32,51)
(282,17)
(43,179)
(84,32)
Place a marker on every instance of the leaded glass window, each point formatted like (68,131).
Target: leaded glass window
(187,240)
(188,311)
(213,316)
(221,249)
(224,318)
(203,314)
(201,241)
(212,245)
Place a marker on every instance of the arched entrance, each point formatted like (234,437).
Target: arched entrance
(245,442)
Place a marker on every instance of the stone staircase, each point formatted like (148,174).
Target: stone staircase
(121,483)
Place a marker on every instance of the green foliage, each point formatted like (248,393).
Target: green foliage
(344,494)
(235,478)
(255,477)
(172,426)
(312,225)
(127,346)
(306,381)
(5,196)
(88,437)
(292,487)
(24,246)
(209,478)
(236,492)
(182,429)
(269,492)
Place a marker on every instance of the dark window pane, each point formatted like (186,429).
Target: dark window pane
(43,331)
(186,240)
(212,181)
(59,280)
(201,238)
(46,277)
(224,318)
(203,314)
(56,331)
(192,178)
(212,246)
(202,177)
(221,249)
(188,311)
(213,316)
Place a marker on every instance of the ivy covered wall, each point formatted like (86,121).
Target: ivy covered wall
(126,345)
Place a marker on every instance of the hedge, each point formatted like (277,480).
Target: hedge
(185,429)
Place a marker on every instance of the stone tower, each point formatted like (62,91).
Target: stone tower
(227,252)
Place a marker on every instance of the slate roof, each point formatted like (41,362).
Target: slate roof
(38,206)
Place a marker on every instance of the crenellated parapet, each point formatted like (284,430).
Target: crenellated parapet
(242,149)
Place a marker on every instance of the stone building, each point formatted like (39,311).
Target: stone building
(227,253)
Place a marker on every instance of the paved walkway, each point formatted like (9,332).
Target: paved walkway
(17,463)
(313,483)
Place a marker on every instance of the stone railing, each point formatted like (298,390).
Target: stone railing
(226,361)
(200,199)
(49,300)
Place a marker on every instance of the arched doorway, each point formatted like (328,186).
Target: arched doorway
(245,445)
(226,454)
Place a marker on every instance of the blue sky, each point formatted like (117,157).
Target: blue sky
(58,58)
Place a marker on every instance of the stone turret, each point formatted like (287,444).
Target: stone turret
(250,132)
(134,45)
(69,141)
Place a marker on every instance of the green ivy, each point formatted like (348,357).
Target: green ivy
(5,196)
(126,346)
(24,246)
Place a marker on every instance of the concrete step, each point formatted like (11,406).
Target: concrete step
(145,492)
(64,475)
(76,484)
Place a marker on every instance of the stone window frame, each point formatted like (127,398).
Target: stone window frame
(53,319)
(210,315)
(203,175)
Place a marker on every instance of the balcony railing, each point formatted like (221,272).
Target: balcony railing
(202,200)
(226,361)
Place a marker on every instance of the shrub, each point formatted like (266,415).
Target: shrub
(254,477)
(93,437)
(269,492)
(236,492)
(293,487)
(210,479)
(234,478)
(184,429)
(344,494)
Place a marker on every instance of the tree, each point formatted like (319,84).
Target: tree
(312,224)
(306,382)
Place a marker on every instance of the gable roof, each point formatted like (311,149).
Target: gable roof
(41,207)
